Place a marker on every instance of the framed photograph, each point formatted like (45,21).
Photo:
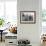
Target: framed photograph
(27,17)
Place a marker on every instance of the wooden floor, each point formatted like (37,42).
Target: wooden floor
(43,44)
(2,43)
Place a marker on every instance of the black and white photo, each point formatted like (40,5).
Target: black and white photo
(27,17)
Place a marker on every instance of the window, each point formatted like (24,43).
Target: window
(44,16)
(8,11)
(43,12)
(1,9)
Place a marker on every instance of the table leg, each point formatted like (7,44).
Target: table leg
(1,36)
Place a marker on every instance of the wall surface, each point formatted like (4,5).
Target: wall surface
(30,31)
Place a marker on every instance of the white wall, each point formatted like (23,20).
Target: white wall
(30,31)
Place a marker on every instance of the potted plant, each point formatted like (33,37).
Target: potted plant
(1,22)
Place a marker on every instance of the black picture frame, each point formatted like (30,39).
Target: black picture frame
(27,17)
